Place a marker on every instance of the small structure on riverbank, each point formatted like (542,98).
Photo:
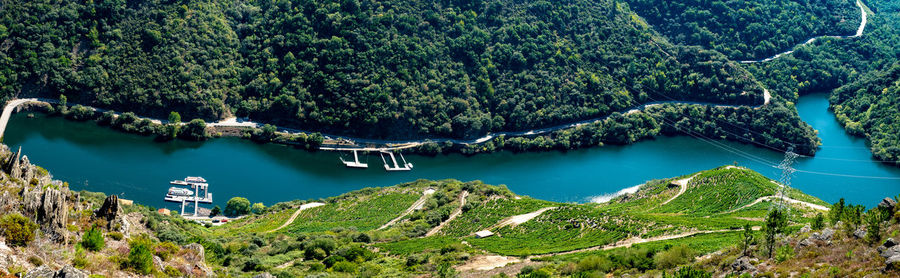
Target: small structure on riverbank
(397,167)
(355,163)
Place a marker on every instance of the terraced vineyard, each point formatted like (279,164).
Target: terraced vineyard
(566,228)
(705,193)
(363,212)
(490,212)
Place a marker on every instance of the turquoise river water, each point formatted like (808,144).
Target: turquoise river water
(135,167)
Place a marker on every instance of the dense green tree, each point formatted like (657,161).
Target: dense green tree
(237,206)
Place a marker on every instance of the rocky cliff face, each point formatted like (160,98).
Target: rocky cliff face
(43,201)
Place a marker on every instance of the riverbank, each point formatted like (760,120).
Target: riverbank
(576,135)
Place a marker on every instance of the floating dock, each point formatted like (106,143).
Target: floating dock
(397,166)
(355,163)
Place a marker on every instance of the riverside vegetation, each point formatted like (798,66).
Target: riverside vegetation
(708,229)
(384,69)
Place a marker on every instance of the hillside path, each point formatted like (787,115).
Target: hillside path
(683,184)
(457,212)
(417,205)
(635,240)
(789,200)
(297,213)
(519,219)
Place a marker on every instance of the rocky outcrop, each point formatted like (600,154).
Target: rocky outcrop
(888,203)
(66,272)
(825,235)
(859,233)
(112,212)
(49,209)
(742,265)
(199,268)
(264,275)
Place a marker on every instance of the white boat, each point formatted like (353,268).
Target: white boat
(195,179)
(177,191)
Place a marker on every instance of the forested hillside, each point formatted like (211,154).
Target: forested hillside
(372,68)
(859,63)
(870,106)
(745,29)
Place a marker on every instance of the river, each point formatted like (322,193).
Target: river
(135,167)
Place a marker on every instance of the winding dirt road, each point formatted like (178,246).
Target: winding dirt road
(417,205)
(297,213)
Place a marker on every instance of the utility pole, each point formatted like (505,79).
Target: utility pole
(787,170)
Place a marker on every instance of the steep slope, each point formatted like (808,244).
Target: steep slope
(747,29)
(868,107)
(381,68)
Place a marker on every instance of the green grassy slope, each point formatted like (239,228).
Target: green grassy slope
(348,221)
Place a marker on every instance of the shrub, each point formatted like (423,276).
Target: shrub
(115,235)
(673,257)
(140,257)
(784,253)
(34,260)
(17,229)
(172,272)
(258,208)
(316,266)
(237,206)
(165,250)
(818,222)
(345,266)
(92,239)
(215,211)
(592,263)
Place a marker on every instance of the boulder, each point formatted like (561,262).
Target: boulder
(41,272)
(892,263)
(805,229)
(158,263)
(891,252)
(70,272)
(198,249)
(859,233)
(264,275)
(888,203)
(890,242)
(805,242)
(742,265)
(825,235)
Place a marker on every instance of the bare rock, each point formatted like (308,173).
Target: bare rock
(859,233)
(198,249)
(893,251)
(158,263)
(888,203)
(66,272)
(805,229)
(264,275)
(41,272)
(805,242)
(110,209)
(825,235)
(742,265)
(49,209)
(70,272)
(890,242)
(892,263)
